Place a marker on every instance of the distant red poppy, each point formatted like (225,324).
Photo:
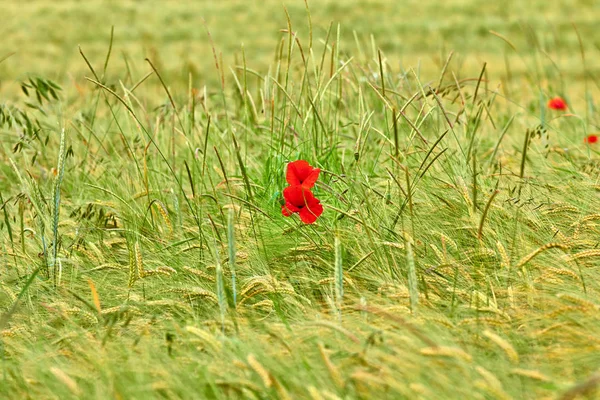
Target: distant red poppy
(301,173)
(300,200)
(557,103)
(591,139)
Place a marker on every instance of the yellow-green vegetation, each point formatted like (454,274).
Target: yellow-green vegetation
(458,255)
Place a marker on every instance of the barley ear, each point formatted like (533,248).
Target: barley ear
(231,248)
(56,205)
(220,285)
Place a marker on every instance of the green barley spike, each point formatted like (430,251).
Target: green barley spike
(220,287)
(139,262)
(231,248)
(60,168)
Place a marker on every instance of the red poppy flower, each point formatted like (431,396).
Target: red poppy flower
(300,200)
(591,139)
(301,173)
(557,103)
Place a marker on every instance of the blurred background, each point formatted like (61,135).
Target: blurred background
(41,37)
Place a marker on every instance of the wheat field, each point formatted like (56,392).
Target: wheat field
(143,153)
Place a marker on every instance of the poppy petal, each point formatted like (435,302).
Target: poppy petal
(286,212)
(293,195)
(298,196)
(309,214)
(297,171)
(288,209)
(311,178)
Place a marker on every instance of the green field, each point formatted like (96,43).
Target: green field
(143,154)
